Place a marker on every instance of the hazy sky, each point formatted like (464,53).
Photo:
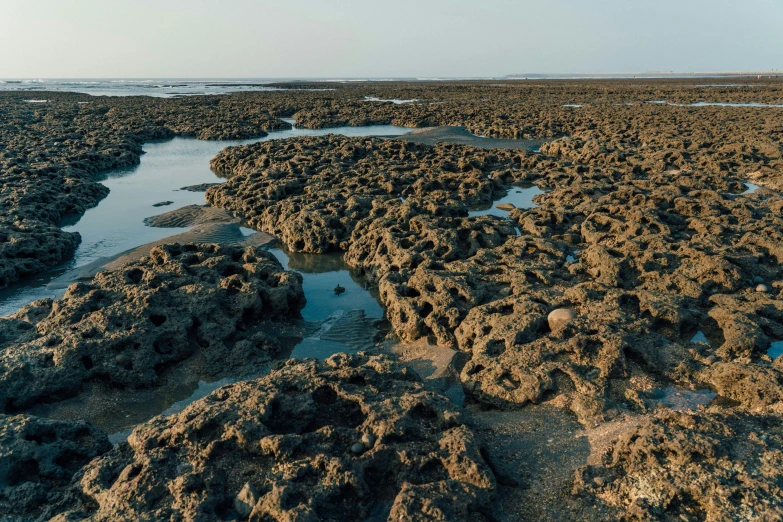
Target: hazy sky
(390,38)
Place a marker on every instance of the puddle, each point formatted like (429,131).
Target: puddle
(116,224)
(719,104)
(571,258)
(202,390)
(722,85)
(393,100)
(700,338)
(456,394)
(681,400)
(348,331)
(343,322)
(775,350)
(716,104)
(751,188)
(517,196)
(118,411)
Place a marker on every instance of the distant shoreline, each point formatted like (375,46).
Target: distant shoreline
(647,75)
(246,82)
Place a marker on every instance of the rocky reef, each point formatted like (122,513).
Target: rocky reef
(658,259)
(651,261)
(128,324)
(676,466)
(353,438)
(53,154)
(38,459)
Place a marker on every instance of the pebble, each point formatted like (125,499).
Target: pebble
(560,317)
(368,439)
(710,360)
(758,280)
(162,203)
(762,288)
(599,481)
(505,206)
(246,500)
(122,359)
(358,448)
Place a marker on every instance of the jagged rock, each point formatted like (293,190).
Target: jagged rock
(706,466)
(291,433)
(38,459)
(128,323)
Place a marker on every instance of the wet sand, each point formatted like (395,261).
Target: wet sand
(460,135)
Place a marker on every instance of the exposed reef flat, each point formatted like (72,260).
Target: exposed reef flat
(645,268)
(352,438)
(128,323)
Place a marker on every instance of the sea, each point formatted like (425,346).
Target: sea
(174,87)
(161,88)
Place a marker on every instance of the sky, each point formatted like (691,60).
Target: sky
(384,39)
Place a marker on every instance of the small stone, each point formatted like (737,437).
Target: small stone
(368,439)
(560,317)
(358,448)
(122,359)
(599,481)
(758,280)
(162,203)
(246,500)
(339,289)
(710,360)
(505,206)
(762,288)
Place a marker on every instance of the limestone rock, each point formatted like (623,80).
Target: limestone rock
(711,466)
(38,459)
(129,322)
(290,433)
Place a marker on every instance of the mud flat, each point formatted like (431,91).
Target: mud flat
(549,362)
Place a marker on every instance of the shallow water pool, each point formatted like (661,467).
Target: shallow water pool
(116,224)
(518,196)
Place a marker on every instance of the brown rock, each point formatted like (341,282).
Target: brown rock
(560,317)
(161,309)
(299,421)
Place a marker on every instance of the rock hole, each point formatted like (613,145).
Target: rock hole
(324,395)
(425,310)
(134,275)
(423,411)
(26,470)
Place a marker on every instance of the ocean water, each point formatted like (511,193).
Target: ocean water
(160,88)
